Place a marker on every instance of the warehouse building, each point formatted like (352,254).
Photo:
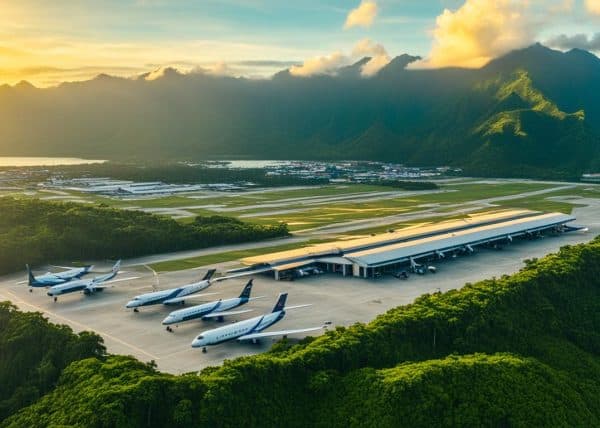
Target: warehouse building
(371,256)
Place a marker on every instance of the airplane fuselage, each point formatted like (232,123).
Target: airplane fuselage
(85,285)
(198,311)
(50,279)
(165,296)
(69,287)
(238,329)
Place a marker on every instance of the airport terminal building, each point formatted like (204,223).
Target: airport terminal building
(375,255)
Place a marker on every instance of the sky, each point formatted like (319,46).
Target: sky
(47,42)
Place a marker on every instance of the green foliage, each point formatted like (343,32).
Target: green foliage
(119,392)
(33,354)
(499,390)
(522,350)
(34,231)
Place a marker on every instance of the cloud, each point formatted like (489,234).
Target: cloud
(593,6)
(378,54)
(320,65)
(329,64)
(161,72)
(362,16)
(221,68)
(479,31)
(579,41)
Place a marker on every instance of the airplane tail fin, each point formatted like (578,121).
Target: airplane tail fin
(280,305)
(31,278)
(116,267)
(247,289)
(209,274)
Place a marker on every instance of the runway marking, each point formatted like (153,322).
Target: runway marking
(17,299)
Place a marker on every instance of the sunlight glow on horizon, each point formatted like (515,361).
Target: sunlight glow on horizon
(47,43)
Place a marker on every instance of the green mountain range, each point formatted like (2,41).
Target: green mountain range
(532,112)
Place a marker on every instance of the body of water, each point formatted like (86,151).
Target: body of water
(42,161)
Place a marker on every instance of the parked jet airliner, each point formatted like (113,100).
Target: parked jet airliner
(88,286)
(171,296)
(49,279)
(217,309)
(250,329)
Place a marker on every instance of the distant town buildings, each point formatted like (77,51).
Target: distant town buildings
(108,186)
(347,171)
(334,172)
(592,178)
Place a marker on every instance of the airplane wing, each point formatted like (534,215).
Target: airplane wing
(297,306)
(63,267)
(277,333)
(121,279)
(226,313)
(188,297)
(104,284)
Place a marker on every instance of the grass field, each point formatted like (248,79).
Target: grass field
(228,256)
(308,207)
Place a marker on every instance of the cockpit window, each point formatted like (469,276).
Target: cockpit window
(200,337)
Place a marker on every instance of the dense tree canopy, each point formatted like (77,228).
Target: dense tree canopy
(33,353)
(34,231)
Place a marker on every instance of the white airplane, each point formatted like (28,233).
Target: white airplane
(217,309)
(88,286)
(172,296)
(49,278)
(250,329)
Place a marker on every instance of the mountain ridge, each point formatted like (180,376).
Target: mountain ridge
(534,99)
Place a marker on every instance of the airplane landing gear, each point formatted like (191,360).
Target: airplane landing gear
(135,310)
(56,299)
(220,319)
(31,290)
(204,350)
(169,329)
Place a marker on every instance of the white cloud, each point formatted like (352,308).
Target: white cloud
(329,64)
(593,6)
(579,41)
(378,54)
(320,65)
(363,15)
(160,73)
(479,31)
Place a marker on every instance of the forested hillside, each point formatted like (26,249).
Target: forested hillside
(35,231)
(515,351)
(33,354)
(533,112)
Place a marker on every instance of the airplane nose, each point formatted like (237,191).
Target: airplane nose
(130,305)
(196,343)
(168,320)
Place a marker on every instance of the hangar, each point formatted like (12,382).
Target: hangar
(371,256)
